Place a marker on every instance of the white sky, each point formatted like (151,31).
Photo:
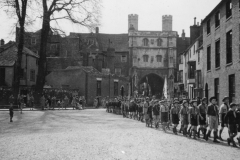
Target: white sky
(114,17)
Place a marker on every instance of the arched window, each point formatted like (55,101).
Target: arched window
(145,42)
(159,42)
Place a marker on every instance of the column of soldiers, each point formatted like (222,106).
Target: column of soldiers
(195,117)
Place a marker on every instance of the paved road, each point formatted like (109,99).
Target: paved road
(96,135)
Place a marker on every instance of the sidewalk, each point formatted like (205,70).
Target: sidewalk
(39,109)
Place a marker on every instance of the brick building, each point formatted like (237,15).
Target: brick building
(32,41)
(153,56)
(90,82)
(103,51)
(190,65)
(221,52)
(183,43)
(8,57)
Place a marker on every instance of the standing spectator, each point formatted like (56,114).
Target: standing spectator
(95,103)
(31,102)
(84,102)
(74,103)
(53,102)
(42,102)
(66,101)
(21,102)
(11,100)
(49,101)
(11,113)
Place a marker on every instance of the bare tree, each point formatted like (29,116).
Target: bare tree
(19,8)
(81,12)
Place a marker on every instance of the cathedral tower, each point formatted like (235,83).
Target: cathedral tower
(167,23)
(133,22)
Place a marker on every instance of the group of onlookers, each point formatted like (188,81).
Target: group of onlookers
(47,101)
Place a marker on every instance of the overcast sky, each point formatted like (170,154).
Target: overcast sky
(114,17)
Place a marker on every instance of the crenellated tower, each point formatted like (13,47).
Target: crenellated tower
(133,22)
(167,23)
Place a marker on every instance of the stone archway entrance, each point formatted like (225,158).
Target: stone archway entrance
(151,84)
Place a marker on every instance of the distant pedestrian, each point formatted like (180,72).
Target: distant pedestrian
(53,102)
(66,101)
(42,102)
(11,113)
(31,102)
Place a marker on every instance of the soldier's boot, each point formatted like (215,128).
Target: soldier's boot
(238,141)
(220,134)
(233,142)
(204,130)
(180,130)
(215,137)
(229,141)
(164,127)
(189,130)
(207,135)
(198,133)
(194,134)
(190,133)
(173,130)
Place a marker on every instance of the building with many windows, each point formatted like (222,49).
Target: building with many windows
(153,57)
(221,51)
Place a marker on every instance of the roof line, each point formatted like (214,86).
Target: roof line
(219,4)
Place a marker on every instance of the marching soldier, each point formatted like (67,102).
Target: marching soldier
(145,109)
(184,116)
(202,117)
(174,113)
(222,113)
(212,114)
(164,109)
(231,121)
(156,112)
(238,122)
(193,118)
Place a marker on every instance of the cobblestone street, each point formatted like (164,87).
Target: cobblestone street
(94,134)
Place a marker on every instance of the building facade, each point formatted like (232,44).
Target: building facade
(221,52)
(90,82)
(153,57)
(190,71)
(29,70)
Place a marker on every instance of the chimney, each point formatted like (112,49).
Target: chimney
(195,21)
(183,34)
(2,42)
(97,30)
